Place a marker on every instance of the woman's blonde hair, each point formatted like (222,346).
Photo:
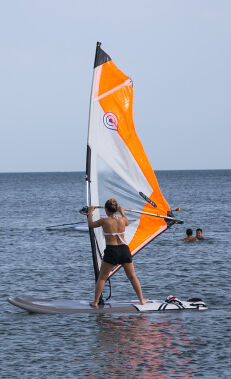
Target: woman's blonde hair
(111,205)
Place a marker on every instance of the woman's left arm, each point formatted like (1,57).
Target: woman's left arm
(91,223)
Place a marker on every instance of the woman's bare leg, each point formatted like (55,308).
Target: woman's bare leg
(130,272)
(105,270)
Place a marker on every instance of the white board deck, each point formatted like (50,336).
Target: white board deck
(82,306)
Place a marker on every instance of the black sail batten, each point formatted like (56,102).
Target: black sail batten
(100,56)
(91,230)
(93,239)
(93,249)
(88,164)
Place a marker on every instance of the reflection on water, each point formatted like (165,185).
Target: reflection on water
(142,346)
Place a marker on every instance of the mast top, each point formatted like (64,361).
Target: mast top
(100,56)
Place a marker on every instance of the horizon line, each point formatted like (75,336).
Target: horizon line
(66,172)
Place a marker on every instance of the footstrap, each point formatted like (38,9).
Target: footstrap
(173,300)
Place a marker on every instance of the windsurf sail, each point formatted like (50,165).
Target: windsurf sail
(117,165)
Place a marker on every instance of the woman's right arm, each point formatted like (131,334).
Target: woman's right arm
(91,223)
(121,210)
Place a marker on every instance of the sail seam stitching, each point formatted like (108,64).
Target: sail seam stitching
(126,83)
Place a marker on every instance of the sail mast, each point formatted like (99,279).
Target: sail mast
(88,181)
(100,58)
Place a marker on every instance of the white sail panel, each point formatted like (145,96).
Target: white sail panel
(117,165)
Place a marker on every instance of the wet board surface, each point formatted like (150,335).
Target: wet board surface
(82,306)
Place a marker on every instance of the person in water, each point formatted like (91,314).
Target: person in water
(189,237)
(117,251)
(199,234)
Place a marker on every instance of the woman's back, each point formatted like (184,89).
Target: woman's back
(114,229)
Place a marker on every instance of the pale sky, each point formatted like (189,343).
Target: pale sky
(177,52)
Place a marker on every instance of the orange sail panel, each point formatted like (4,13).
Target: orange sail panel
(119,166)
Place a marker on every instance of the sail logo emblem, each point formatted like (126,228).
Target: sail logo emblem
(110,121)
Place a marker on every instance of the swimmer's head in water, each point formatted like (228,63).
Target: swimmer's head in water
(189,232)
(199,233)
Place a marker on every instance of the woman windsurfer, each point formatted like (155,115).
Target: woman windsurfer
(117,251)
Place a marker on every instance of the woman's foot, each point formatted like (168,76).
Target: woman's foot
(144,301)
(93,304)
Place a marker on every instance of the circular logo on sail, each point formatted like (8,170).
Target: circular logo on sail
(110,121)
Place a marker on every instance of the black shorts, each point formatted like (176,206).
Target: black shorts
(117,254)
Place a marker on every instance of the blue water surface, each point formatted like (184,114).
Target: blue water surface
(57,264)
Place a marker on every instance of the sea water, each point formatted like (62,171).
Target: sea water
(57,264)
